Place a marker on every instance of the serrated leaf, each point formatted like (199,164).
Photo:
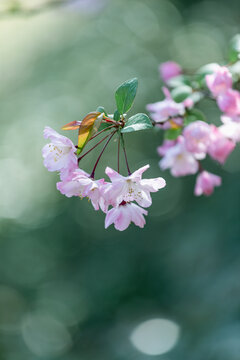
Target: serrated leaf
(172,134)
(137,122)
(193,115)
(125,95)
(180,93)
(89,126)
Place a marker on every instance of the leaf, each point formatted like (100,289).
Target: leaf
(125,95)
(203,71)
(172,134)
(207,69)
(73,125)
(116,115)
(89,126)
(234,52)
(137,122)
(180,93)
(101,110)
(179,80)
(193,115)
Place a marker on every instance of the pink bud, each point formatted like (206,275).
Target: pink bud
(220,81)
(169,70)
(220,147)
(197,138)
(205,183)
(229,102)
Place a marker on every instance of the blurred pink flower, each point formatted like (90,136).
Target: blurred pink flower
(125,213)
(161,111)
(230,128)
(220,147)
(59,155)
(167,144)
(174,123)
(220,81)
(197,138)
(169,69)
(131,188)
(180,161)
(229,102)
(205,183)
(188,103)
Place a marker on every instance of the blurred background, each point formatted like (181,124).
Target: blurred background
(69,289)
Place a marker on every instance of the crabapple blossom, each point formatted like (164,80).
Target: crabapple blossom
(174,123)
(59,155)
(229,102)
(125,213)
(220,81)
(161,111)
(167,144)
(169,69)
(131,188)
(180,161)
(205,183)
(230,128)
(197,138)
(219,147)
(80,184)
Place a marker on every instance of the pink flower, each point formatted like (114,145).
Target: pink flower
(163,110)
(220,147)
(59,155)
(167,144)
(80,184)
(122,215)
(131,188)
(220,81)
(230,128)
(206,182)
(169,70)
(229,102)
(174,123)
(179,160)
(197,138)
(188,103)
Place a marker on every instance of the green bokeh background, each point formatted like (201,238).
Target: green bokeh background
(70,289)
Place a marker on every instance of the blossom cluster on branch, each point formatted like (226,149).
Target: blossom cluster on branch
(188,139)
(126,196)
(188,136)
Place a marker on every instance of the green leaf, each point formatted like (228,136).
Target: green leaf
(180,93)
(179,80)
(101,110)
(203,71)
(172,134)
(207,69)
(137,122)
(234,52)
(196,96)
(193,115)
(116,115)
(125,95)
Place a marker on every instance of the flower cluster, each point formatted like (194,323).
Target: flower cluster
(123,198)
(189,138)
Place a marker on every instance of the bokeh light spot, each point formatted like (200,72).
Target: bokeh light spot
(155,336)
